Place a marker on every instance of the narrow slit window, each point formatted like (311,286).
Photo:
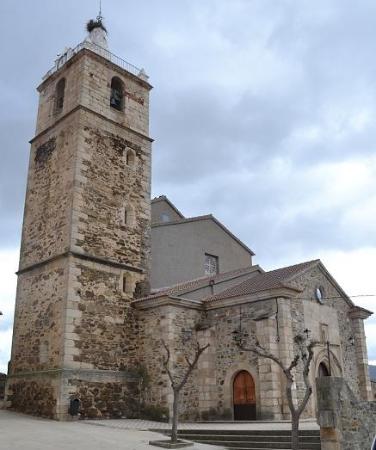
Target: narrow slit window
(128,216)
(124,284)
(117,94)
(60,92)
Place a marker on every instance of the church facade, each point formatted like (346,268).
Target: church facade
(99,289)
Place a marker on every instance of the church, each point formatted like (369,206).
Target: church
(107,274)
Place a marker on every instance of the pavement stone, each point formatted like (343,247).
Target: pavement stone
(22,432)
(136,424)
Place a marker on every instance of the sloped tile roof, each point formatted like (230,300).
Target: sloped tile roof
(191,285)
(264,281)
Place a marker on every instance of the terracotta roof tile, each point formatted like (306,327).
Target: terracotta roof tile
(264,281)
(187,286)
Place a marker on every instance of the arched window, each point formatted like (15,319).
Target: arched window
(117,94)
(59,95)
(323,371)
(130,158)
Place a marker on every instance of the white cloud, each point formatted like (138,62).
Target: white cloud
(8,281)
(355,272)
(5,347)
(8,266)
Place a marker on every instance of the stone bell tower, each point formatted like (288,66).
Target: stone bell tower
(85,241)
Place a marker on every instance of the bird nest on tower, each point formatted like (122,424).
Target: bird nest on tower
(93,24)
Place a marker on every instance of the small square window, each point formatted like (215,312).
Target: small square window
(211,264)
(165,217)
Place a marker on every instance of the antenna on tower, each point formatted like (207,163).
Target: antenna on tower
(100,17)
(98,22)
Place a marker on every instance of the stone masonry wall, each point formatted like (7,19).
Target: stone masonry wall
(153,326)
(49,194)
(36,395)
(88,82)
(208,393)
(346,423)
(47,111)
(37,339)
(334,313)
(73,312)
(105,400)
(227,360)
(96,89)
(106,186)
(166,323)
(101,332)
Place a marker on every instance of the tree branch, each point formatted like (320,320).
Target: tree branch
(306,369)
(263,353)
(191,366)
(166,363)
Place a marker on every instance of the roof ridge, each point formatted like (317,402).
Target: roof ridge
(295,265)
(182,220)
(268,280)
(229,289)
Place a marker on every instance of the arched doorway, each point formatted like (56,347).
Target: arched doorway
(323,371)
(244,396)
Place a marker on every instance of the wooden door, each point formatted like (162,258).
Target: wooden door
(244,397)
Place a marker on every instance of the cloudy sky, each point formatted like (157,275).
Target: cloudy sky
(263,112)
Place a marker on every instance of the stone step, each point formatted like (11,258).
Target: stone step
(217,432)
(257,445)
(251,439)
(259,437)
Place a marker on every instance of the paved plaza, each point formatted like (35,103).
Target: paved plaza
(21,432)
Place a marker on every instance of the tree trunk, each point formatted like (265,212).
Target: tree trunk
(175,417)
(294,432)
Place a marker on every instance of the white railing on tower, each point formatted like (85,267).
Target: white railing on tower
(69,53)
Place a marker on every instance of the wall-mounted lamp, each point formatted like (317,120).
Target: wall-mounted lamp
(239,336)
(307,332)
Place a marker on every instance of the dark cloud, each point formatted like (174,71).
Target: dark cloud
(255,105)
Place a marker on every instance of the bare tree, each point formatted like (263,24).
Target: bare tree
(177,383)
(304,355)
